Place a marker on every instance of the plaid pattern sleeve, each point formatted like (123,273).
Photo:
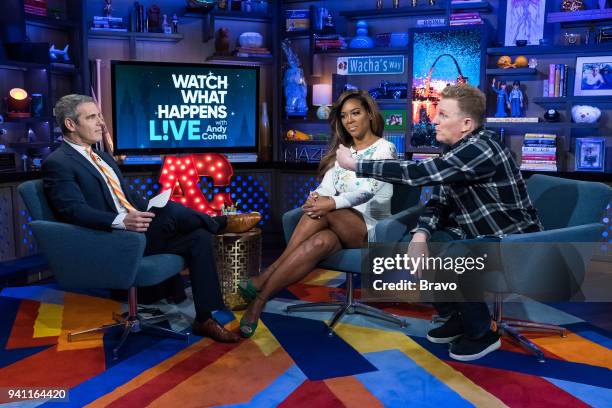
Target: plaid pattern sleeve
(479,188)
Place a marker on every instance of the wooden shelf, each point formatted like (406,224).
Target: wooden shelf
(123,35)
(480,6)
(580,15)
(541,125)
(393,12)
(572,50)
(240,60)
(365,51)
(512,71)
(36,119)
(21,66)
(48,22)
(306,142)
(31,145)
(297,35)
(241,16)
(544,101)
(424,149)
(300,121)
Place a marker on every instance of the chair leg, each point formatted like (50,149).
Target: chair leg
(379,314)
(101,329)
(132,323)
(154,329)
(535,327)
(313,305)
(336,318)
(524,342)
(129,327)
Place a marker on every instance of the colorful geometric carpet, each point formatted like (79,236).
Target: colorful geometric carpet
(291,361)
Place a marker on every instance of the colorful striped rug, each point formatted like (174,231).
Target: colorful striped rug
(291,362)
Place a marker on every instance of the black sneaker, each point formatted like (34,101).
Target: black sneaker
(449,331)
(468,349)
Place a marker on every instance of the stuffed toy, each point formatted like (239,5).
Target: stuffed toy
(585,114)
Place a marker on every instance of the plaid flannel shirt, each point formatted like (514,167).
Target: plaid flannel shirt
(478,188)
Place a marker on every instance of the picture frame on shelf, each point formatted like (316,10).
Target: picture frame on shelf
(394,119)
(593,76)
(590,153)
(524,20)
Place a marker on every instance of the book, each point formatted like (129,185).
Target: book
(551,80)
(512,120)
(564,89)
(557,78)
(539,149)
(540,135)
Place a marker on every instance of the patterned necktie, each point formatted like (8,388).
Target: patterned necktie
(111,181)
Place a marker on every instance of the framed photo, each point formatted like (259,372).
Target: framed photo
(524,20)
(590,153)
(394,119)
(593,76)
(441,56)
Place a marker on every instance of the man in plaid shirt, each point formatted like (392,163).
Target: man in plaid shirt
(478,192)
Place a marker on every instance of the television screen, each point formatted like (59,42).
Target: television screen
(172,108)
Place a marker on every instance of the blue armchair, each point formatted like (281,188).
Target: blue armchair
(392,229)
(83,258)
(571,212)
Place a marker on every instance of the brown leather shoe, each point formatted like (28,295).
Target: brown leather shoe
(211,328)
(238,223)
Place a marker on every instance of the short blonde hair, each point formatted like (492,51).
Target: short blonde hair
(471,100)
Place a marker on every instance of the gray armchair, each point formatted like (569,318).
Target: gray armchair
(392,229)
(83,258)
(571,212)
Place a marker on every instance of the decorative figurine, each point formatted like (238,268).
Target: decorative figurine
(55,53)
(174,24)
(572,5)
(379,4)
(502,98)
(395,3)
(294,83)
(520,62)
(504,62)
(515,100)
(533,63)
(108,8)
(361,40)
(222,42)
(154,19)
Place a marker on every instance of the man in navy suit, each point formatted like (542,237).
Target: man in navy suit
(85,187)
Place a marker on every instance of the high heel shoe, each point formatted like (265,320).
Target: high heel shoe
(247,290)
(247,330)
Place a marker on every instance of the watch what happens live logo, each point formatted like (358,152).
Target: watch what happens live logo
(203,98)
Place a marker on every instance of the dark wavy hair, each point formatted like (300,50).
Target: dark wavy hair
(339,135)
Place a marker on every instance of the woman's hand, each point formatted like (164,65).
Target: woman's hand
(319,207)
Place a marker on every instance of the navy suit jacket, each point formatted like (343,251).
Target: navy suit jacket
(78,193)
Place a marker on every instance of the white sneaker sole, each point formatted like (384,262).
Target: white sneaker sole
(442,340)
(471,357)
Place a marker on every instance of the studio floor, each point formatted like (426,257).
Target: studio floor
(291,362)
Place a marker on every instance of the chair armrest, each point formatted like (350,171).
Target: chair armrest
(580,233)
(86,258)
(290,221)
(397,226)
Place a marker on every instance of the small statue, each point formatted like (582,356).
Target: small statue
(108,8)
(502,99)
(222,42)
(361,40)
(294,83)
(515,100)
(174,24)
(154,19)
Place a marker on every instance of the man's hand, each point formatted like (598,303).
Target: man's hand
(345,158)
(138,221)
(320,207)
(418,248)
